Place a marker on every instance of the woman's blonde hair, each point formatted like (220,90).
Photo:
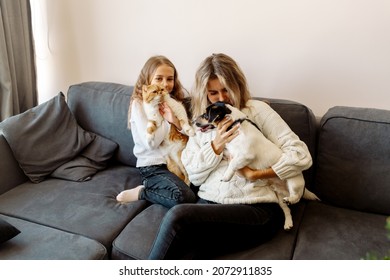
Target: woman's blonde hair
(145,78)
(223,67)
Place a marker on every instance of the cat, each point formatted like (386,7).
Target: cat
(175,142)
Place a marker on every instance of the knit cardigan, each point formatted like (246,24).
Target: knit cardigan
(205,168)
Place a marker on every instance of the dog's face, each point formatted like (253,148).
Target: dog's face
(214,114)
(153,93)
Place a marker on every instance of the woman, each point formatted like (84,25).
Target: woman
(241,212)
(159,184)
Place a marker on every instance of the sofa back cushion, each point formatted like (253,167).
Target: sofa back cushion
(353,160)
(102,108)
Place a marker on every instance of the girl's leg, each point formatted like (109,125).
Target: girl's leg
(163,187)
(207,229)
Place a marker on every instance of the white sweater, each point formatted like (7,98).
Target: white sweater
(205,168)
(146,154)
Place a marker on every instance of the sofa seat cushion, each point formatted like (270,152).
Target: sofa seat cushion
(332,233)
(38,242)
(86,208)
(136,240)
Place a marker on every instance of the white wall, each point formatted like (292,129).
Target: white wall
(321,53)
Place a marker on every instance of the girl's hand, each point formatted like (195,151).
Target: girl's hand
(224,136)
(168,115)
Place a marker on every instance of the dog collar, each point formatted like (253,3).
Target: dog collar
(241,121)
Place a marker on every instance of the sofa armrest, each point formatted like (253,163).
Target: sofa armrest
(353,160)
(11,174)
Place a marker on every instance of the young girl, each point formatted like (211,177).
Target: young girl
(159,184)
(244,211)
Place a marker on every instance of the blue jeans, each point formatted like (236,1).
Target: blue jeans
(207,229)
(164,187)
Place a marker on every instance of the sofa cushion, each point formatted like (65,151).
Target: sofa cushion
(38,242)
(85,208)
(45,137)
(102,108)
(332,233)
(137,238)
(7,231)
(92,159)
(353,159)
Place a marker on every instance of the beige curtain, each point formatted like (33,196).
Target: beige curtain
(17,65)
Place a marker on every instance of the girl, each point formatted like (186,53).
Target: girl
(159,184)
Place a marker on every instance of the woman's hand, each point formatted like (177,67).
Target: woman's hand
(168,115)
(255,174)
(224,136)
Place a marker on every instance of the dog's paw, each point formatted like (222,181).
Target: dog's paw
(188,130)
(288,224)
(227,177)
(290,200)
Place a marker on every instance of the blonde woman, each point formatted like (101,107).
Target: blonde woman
(159,184)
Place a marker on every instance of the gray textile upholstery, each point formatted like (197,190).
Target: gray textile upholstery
(333,233)
(354,159)
(37,242)
(87,208)
(353,182)
(92,159)
(45,137)
(136,240)
(102,108)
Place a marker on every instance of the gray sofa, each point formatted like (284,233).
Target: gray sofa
(59,203)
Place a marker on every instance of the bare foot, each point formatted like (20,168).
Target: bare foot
(129,195)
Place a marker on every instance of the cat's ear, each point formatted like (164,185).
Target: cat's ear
(144,88)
